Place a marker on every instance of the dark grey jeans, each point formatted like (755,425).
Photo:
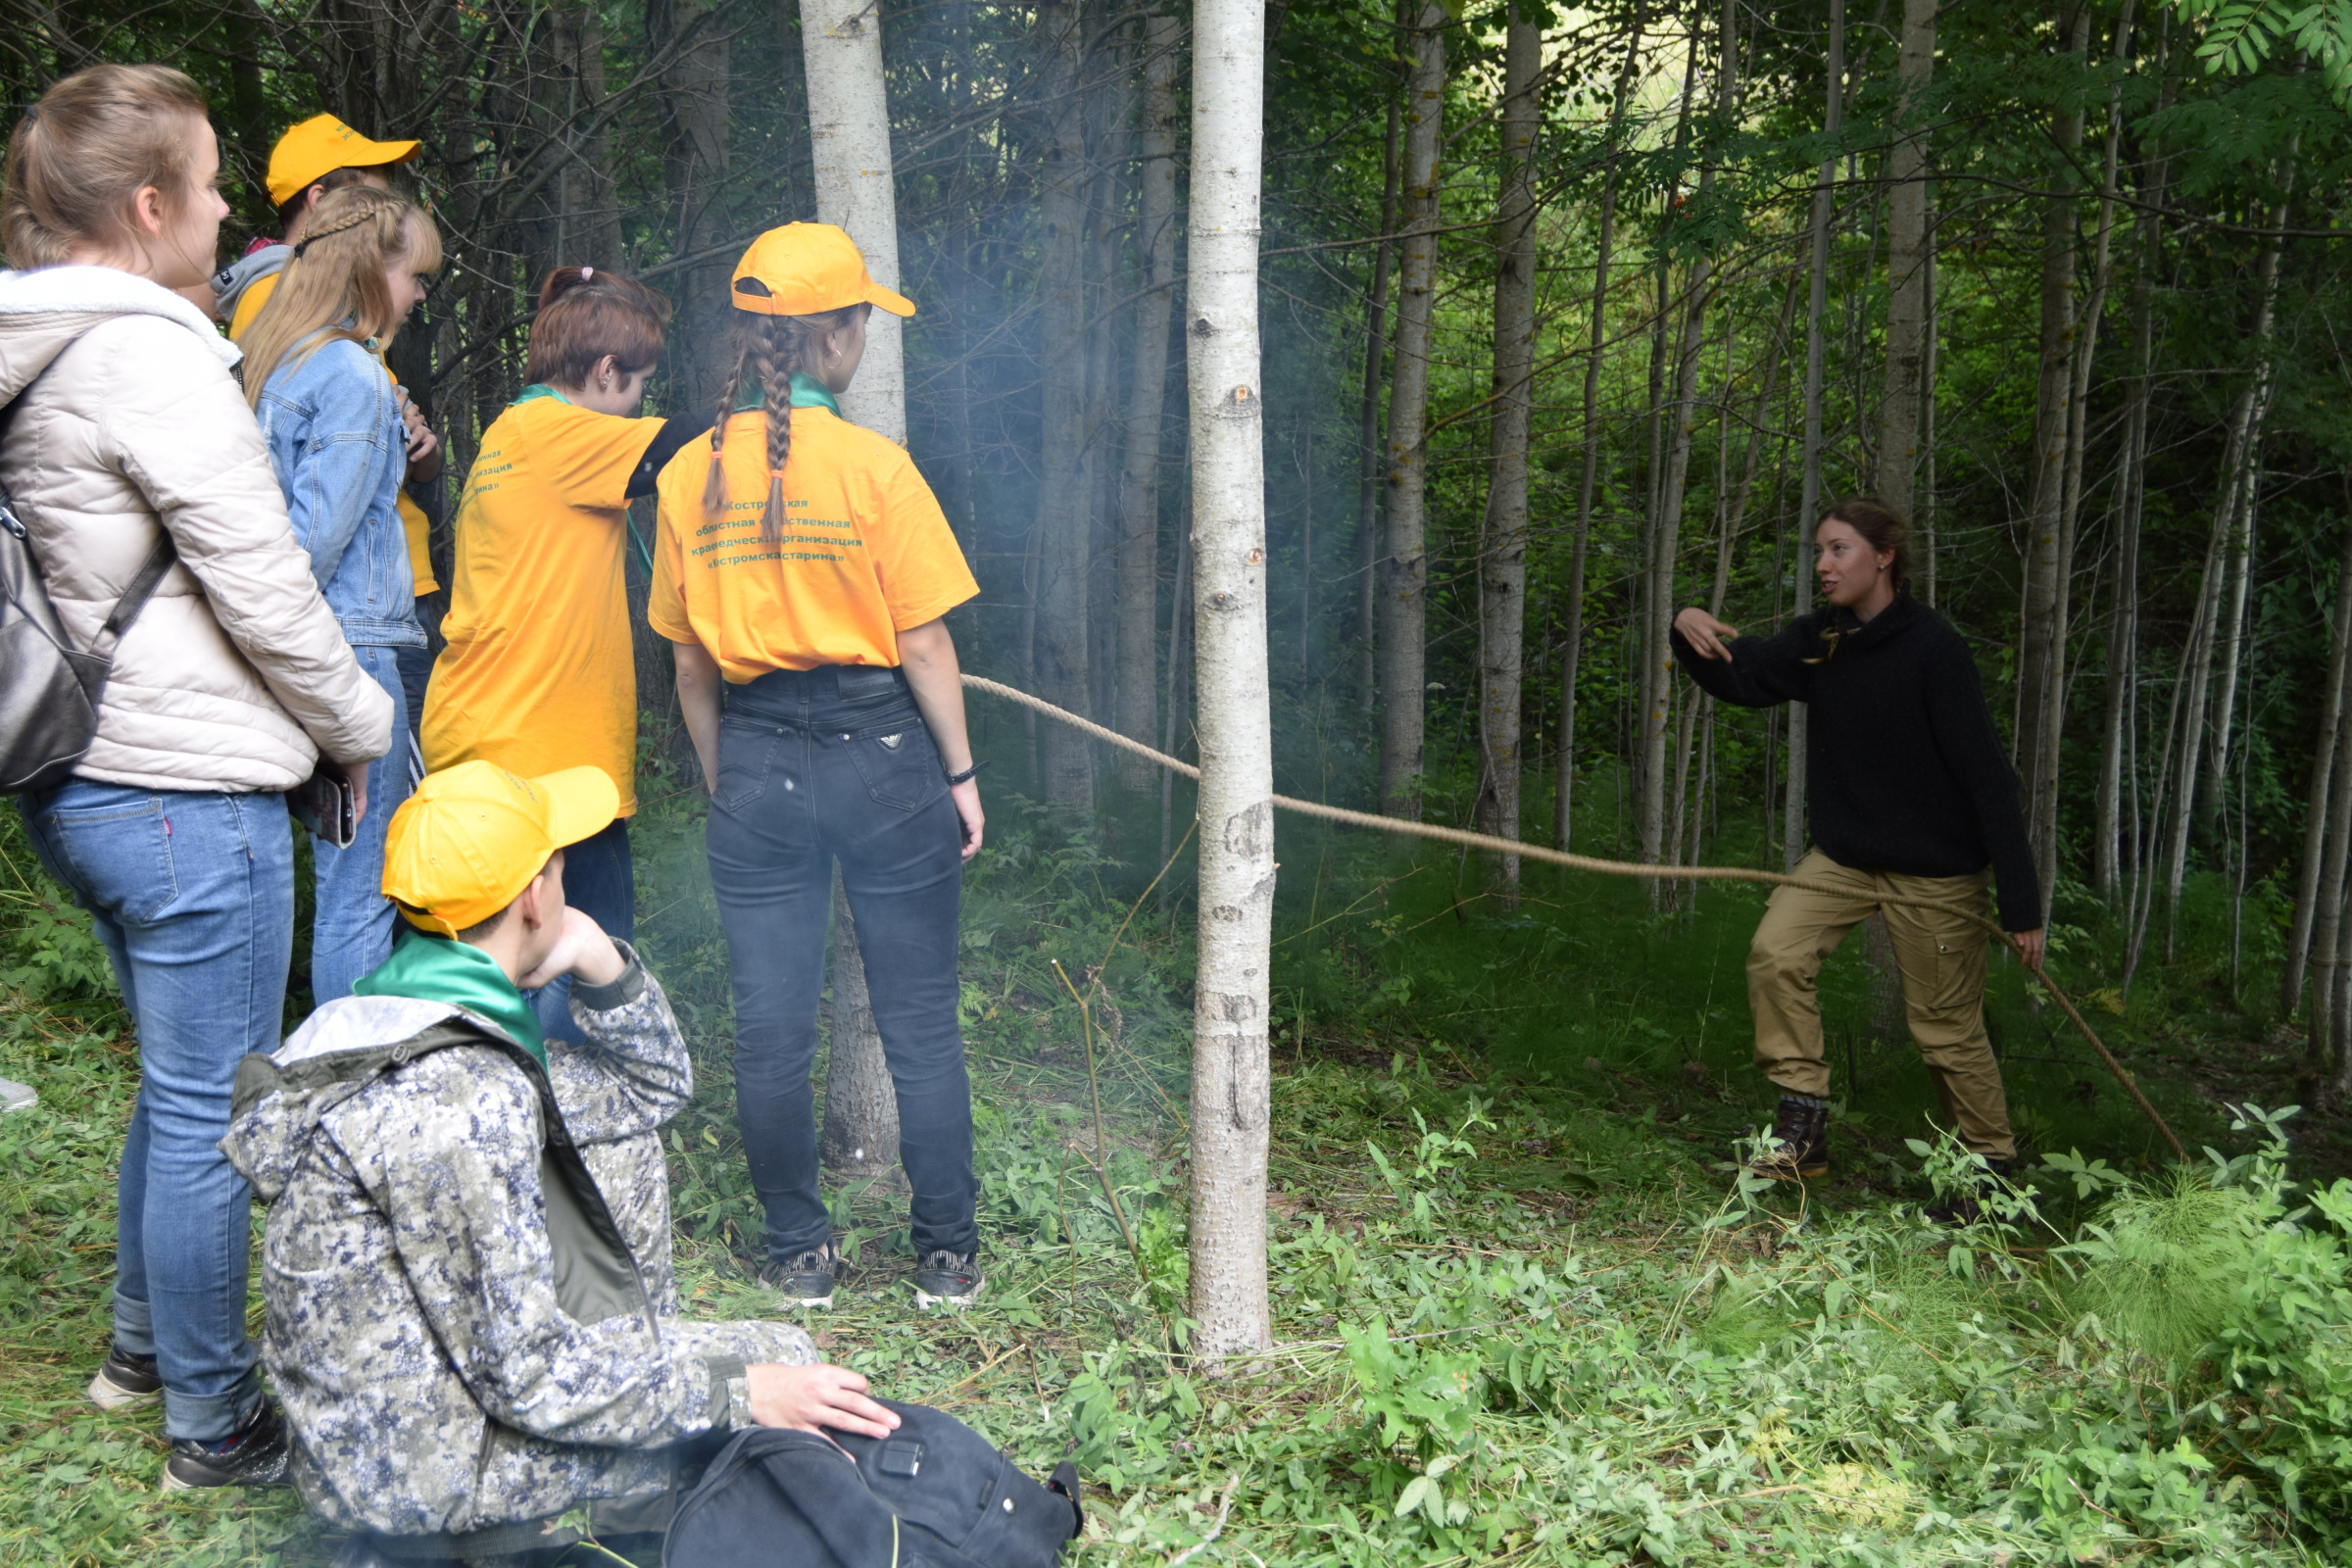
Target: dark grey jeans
(816,766)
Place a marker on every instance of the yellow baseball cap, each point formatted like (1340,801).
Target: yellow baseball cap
(471,838)
(802,269)
(319,146)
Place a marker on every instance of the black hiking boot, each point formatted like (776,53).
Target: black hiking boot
(952,1280)
(1800,1148)
(254,1455)
(124,1381)
(804,1279)
(1966,1208)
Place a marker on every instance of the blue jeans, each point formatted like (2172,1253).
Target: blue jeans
(193,895)
(815,766)
(351,927)
(601,882)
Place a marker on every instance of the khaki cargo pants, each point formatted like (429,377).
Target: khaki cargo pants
(1943,964)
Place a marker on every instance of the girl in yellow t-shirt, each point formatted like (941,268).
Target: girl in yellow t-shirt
(539,673)
(801,567)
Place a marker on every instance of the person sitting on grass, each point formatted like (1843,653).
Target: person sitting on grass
(470,1316)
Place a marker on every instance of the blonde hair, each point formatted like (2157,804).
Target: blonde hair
(768,348)
(335,276)
(82,155)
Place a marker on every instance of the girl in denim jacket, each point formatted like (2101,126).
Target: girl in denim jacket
(314,375)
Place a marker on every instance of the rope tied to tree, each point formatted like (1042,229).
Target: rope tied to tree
(1587,862)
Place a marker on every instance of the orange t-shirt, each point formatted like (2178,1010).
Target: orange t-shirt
(540,673)
(866,553)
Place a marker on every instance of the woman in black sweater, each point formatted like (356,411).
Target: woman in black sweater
(1911,795)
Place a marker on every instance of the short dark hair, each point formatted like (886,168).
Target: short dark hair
(1881,528)
(585,313)
(334,179)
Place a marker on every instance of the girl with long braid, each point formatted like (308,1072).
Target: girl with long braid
(803,568)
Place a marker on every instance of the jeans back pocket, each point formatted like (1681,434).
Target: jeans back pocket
(744,756)
(901,767)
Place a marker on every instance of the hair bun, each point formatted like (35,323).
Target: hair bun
(561,281)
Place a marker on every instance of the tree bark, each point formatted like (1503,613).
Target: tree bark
(1403,627)
(2041,663)
(2123,637)
(1502,556)
(694,99)
(1231,1076)
(1369,544)
(1571,636)
(1065,478)
(2323,856)
(1906,262)
(1138,524)
(1809,500)
(849,137)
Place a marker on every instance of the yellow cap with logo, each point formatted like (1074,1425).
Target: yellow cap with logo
(319,146)
(471,838)
(805,269)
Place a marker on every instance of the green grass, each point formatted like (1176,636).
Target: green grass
(1524,1313)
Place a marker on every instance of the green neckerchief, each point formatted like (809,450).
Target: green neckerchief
(808,392)
(534,392)
(435,969)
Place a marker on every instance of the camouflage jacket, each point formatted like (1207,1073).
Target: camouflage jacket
(469,1312)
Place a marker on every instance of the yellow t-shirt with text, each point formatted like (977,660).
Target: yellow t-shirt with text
(866,553)
(411,517)
(540,672)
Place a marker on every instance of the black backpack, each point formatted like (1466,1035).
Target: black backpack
(932,1494)
(49,689)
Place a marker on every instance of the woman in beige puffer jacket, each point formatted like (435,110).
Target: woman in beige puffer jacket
(125,427)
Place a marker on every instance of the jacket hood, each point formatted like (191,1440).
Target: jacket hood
(43,311)
(232,281)
(339,1050)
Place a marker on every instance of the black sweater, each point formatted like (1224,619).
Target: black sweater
(1905,771)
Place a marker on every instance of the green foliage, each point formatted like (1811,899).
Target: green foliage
(2243,35)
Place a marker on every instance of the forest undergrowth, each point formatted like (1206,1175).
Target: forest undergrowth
(1526,1309)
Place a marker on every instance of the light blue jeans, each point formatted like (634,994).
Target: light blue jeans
(193,895)
(352,926)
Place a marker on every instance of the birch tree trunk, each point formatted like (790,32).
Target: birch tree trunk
(1231,1076)
(1808,507)
(1403,627)
(1906,262)
(2123,637)
(1139,523)
(2320,797)
(2041,663)
(1065,482)
(1571,636)
(1502,556)
(849,139)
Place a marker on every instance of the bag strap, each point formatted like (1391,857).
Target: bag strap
(135,598)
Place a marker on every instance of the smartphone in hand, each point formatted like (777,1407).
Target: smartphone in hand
(323,804)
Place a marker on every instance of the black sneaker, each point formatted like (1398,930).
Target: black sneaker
(804,1279)
(255,1455)
(1800,1148)
(952,1280)
(125,1381)
(1964,1208)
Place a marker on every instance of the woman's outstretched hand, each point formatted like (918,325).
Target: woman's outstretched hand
(1706,634)
(2032,946)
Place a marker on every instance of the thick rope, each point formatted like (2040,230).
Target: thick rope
(1586,863)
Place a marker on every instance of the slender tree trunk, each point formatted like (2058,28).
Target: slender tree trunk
(1139,535)
(1064,530)
(1109,99)
(694,99)
(2122,638)
(1502,557)
(2042,665)
(1231,1082)
(1572,637)
(1906,262)
(1403,627)
(1369,546)
(849,137)
(2318,799)
(1810,502)
(1925,491)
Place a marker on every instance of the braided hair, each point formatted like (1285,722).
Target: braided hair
(769,349)
(334,284)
